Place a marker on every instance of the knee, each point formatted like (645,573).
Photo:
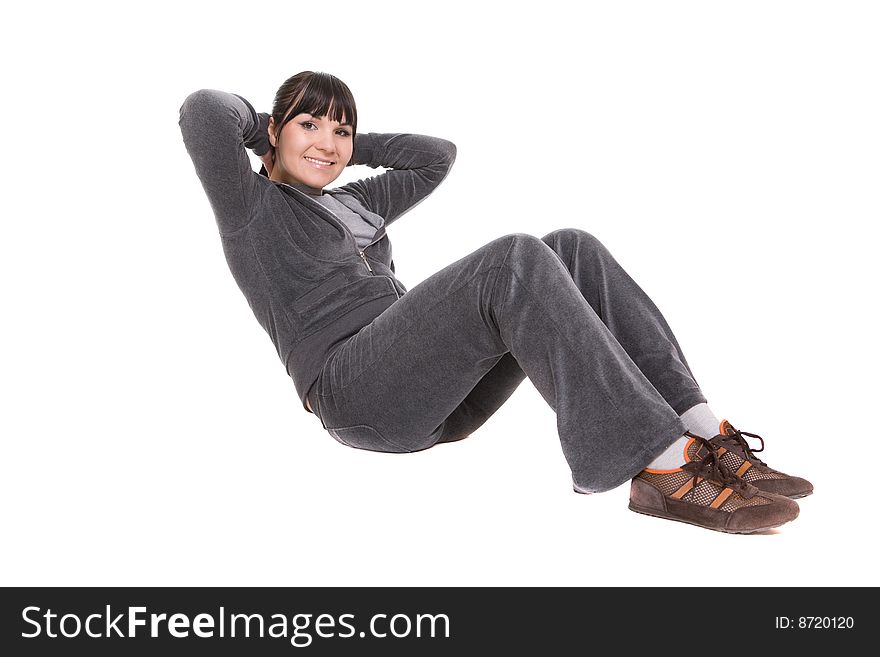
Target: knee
(522,247)
(576,237)
(569,241)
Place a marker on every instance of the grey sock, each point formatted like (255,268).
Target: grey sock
(699,420)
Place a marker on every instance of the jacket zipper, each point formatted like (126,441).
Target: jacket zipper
(362,255)
(350,234)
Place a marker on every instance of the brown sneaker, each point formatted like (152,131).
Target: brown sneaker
(704,492)
(739,457)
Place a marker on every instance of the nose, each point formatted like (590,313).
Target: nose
(324,142)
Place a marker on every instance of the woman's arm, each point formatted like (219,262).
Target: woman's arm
(217,127)
(418,165)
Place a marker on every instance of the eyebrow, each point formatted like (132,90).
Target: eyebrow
(318,118)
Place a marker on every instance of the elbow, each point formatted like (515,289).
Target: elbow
(198,102)
(452,151)
(200,96)
(449,152)
(191,103)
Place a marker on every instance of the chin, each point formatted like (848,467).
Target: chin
(318,181)
(325,181)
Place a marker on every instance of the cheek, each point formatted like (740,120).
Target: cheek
(291,142)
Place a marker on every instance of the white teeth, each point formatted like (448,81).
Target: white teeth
(311,159)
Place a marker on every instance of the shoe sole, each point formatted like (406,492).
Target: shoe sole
(666,516)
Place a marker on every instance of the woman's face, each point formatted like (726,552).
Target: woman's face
(307,144)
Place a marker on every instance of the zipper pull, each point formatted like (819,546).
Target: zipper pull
(364,257)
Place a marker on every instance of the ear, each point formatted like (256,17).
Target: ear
(272,131)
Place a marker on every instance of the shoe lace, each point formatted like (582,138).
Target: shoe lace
(710,466)
(737,438)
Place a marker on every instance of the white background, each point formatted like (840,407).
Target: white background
(726,153)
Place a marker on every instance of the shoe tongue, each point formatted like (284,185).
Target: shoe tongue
(725,428)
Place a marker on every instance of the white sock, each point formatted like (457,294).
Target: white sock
(699,420)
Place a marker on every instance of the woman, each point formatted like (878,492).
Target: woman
(392,370)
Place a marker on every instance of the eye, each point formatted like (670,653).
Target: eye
(342,131)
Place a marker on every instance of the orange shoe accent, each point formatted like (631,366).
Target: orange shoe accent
(655,471)
(677,495)
(722,496)
(742,469)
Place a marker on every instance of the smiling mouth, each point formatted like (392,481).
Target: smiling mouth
(323,164)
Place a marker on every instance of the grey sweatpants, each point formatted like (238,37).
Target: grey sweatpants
(443,358)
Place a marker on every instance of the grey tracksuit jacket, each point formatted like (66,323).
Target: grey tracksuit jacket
(308,283)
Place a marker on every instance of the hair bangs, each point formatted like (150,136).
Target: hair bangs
(318,94)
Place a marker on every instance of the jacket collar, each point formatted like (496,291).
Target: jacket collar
(349,201)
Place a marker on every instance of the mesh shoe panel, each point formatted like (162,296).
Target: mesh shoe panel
(705,493)
(737,501)
(754,474)
(666,483)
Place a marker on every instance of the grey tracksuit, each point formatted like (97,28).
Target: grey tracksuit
(397,370)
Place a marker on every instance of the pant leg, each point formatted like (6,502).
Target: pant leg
(631,316)
(488,396)
(392,386)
